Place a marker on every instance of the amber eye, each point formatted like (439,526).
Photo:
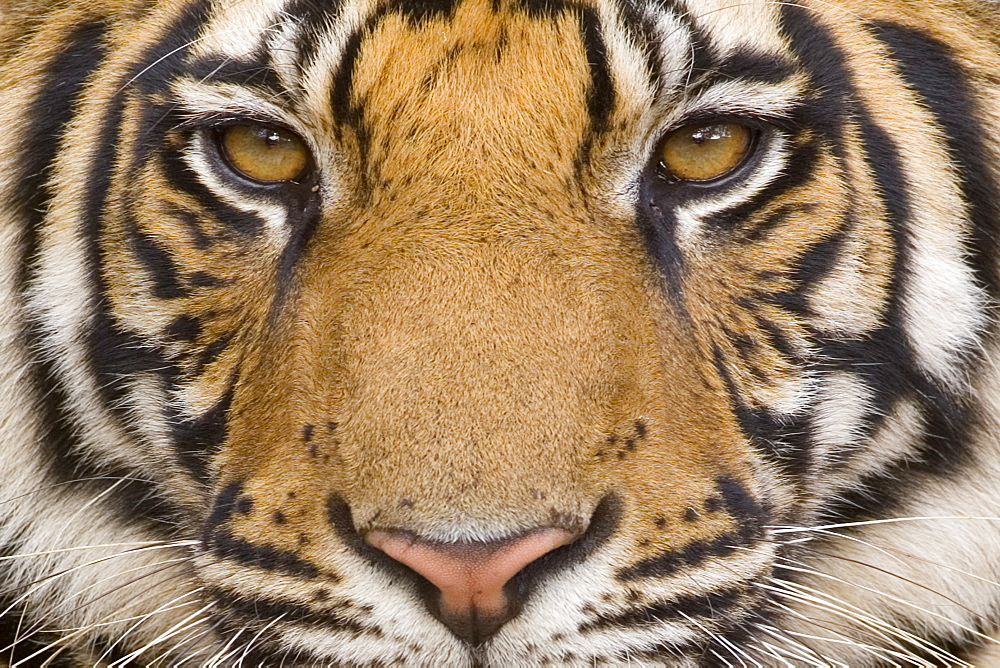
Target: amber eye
(704,152)
(264,153)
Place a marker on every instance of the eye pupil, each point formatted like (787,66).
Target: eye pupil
(264,153)
(704,152)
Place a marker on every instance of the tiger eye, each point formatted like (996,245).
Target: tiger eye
(264,153)
(705,152)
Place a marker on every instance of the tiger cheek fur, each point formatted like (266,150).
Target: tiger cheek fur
(400,332)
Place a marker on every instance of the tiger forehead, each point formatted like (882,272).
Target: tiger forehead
(487,86)
(318,48)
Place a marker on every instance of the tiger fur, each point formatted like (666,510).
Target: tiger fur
(760,413)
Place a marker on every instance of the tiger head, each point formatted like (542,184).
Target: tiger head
(508,332)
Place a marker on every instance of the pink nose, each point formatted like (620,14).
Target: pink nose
(470,576)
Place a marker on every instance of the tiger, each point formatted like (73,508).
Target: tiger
(488,333)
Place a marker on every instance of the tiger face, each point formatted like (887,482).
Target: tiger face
(500,333)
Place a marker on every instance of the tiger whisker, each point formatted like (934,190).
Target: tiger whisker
(794,647)
(224,652)
(791,590)
(40,627)
(121,620)
(249,645)
(798,639)
(736,652)
(175,51)
(783,654)
(189,645)
(880,627)
(56,485)
(882,653)
(136,544)
(36,584)
(17,635)
(180,626)
(780,529)
(803,569)
(139,619)
(791,647)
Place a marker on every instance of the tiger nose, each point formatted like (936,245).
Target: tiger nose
(470,576)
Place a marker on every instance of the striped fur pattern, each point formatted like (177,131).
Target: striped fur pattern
(767,404)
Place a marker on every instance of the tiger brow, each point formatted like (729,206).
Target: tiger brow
(750,67)
(227,70)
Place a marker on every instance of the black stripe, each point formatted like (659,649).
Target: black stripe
(836,103)
(702,57)
(942,451)
(691,555)
(817,261)
(218,539)
(118,355)
(931,69)
(158,263)
(259,609)
(549,9)
(657,221)
(304,214)
(776,337)
(785,442)
(226,70)
(737,500)
(266,557)
(115,354)
(203,279)
(601,90)
(604,522)
(419,12)
(895,372)
(645,35)
(192,222)
(164,60)
(212,351)
(884,360)
(313,19)
(223,507)
(340,92)
(184,327)
(416,12)
(794,300)
(831,90)
(750,517)
(82,53)
(182,177)
(751,67)
(754,67)
(798,170)
(197,440)
(762,229)
(702,607)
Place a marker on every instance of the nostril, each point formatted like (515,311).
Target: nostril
(470,577)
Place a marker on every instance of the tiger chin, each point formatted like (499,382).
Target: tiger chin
(488,333)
